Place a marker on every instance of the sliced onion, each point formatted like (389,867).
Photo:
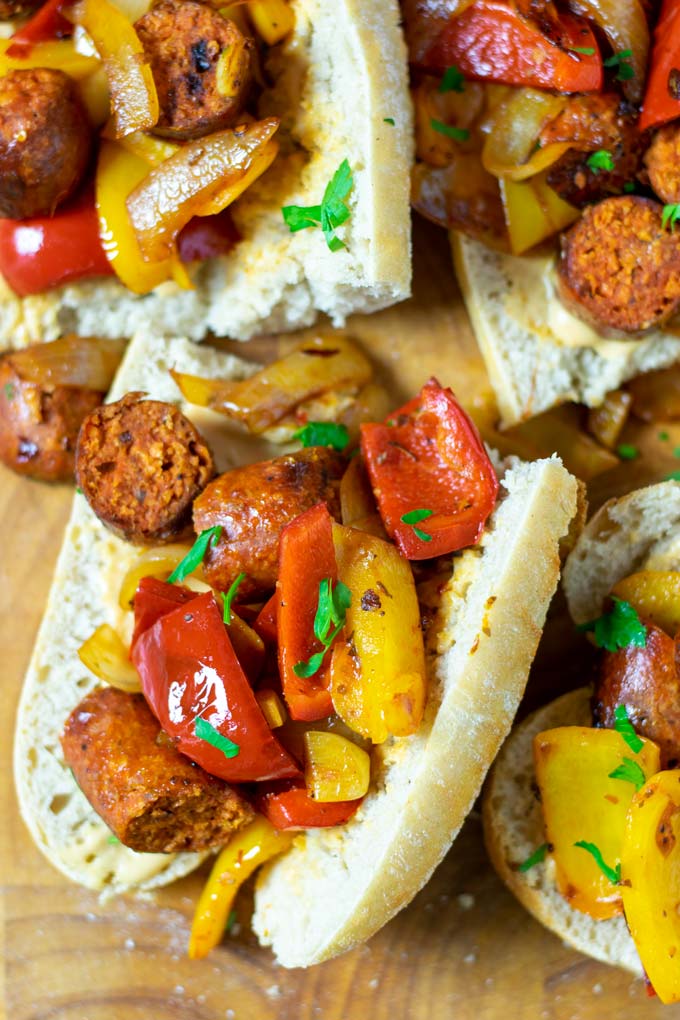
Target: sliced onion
(656,395)
(625,25)
(105,654)
(510,150)
(157,561)
(605,423)
(71,361)
(191,181)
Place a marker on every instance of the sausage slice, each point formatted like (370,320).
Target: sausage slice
(253,504)
(45,142)
(662,160)
(153,798)
(620,268)
(140,464)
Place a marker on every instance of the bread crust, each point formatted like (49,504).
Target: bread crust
(342,72)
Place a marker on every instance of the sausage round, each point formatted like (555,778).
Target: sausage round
(39,425)
(662,160)
(201,64)
(153,798)
(45,142)
(253,504)
(140,464)
(620,268)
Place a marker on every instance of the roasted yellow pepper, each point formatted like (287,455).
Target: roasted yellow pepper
(60,54)
(336,769)
(106,655)
(533,211)
(655,594)
(272,19)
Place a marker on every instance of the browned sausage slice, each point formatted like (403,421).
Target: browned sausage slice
(253,504)
(141,464)
(620,268)
(153,798)
(45,142)
(201,64)
(662,160)
(39,425)
(646,681)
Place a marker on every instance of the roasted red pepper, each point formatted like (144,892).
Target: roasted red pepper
(47,23)
(306,558)
(492,41)
(428,461)
(154,599)
(192,681)
(265,621)
(295,809)
(662,95)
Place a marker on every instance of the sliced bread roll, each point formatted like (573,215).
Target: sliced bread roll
(513,829)
(537,354)
(337,81)
(339,886)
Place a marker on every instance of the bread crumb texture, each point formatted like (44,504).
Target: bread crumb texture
(343,70)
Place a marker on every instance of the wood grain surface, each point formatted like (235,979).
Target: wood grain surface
(464,949)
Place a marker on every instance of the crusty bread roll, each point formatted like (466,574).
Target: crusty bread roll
(337,887)
(529,369)
(634,532)
(341,73)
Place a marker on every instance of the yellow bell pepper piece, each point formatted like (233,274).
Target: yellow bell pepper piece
(655,594)
(650,873)
(378,676)
(59,54)
(134,98)
(256,843)
(272,707)
(106,655)
(336,769)
(272,19)
(582,803)
(533,211)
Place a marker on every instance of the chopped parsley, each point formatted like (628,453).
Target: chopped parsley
(79,490)
(613,874)
(535,858)
(231,921)
(629,187)
(458,134)
(600,160)
(323,433)
(664,437)
(196,554)
(9,390)
(329,620)
(453,80)
(414,517)
(674,476)
(627,451)
(670,215)
(388,120)
(676,451)
(206,731)
(113,840)
(332,212)
(621,61)
(587,51)
(624,726)
(228,597)
(619,628)
(630,772)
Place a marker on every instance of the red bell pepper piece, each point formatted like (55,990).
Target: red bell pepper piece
(429,456)
(492,41)
(154,599)
(306,558)
(47,23)
(189,671)
(663,80)
(295,809)
(265,621)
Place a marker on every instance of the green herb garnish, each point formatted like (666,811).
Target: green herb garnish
(9,390)
(664,437)
(231,921)
(206,731)
(112,840)
(458,134)
(329,620)
(332,212)
(323,433)
(453,80)
(628,187)
(619,628)
(627,451)
(630,772)
(624,726)
(600,160)
(535,858)
(670,215)
(621,61)
(613,874)
(196,554)
(414,517)
(388,120)
(79,490)
(674,476)
(228,598)
(587,51)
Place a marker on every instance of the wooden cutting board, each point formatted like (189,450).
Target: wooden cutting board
(464,949)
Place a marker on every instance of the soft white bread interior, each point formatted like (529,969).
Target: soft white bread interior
(641,529)
(335,81)
(530,366)
(337,887)
(513,829)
